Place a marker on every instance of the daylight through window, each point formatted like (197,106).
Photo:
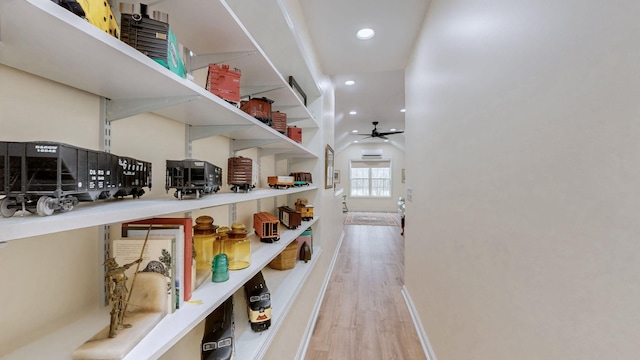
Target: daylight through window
(370,178)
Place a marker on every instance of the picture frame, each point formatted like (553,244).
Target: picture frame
(402,178)
(329,167)
(336,176)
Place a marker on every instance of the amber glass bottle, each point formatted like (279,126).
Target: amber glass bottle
(238,247)
(204,235)
(218,245)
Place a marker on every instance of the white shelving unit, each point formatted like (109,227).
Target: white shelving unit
(41,38)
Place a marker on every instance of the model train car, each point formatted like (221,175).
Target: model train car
(266,226)
(280,182)
(258,299)
(218,340)
(289,217)
(242,173)
(259,108)
(192,177)
(301,178)
(305,209)
(43,177)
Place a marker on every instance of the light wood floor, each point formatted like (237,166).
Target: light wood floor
(363,315)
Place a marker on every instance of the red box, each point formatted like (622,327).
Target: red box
(294,133)
(224,82)
(279,121)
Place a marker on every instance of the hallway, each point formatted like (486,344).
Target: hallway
(364,315)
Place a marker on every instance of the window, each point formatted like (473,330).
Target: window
(370,178)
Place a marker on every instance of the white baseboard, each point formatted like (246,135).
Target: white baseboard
(424,340)
(306,337)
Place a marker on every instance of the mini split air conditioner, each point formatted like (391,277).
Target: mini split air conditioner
(371,154)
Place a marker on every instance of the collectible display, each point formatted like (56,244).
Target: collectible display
(152,37)
(294,133)
(305,209)
(99,14)
(301,178)
(242,173)
(192,177)
(44,177)
(266,226)
(220,268)
(259,108)
(280,182)
(218,340)
(289,217)
(279,120)
(258,300)
(224,82)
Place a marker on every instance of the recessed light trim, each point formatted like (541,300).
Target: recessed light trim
(392,129)
(352,112)
(403,110)
(354,131)
(349,82)
(365,34)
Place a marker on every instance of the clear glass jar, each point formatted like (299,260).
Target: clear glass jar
(238,247)
(204,236)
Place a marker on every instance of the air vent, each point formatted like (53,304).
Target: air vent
(371,157)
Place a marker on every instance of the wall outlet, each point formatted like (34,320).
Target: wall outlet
(409,194)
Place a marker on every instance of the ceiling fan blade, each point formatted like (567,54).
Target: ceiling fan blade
(391,133)
(361,134)
(382,137)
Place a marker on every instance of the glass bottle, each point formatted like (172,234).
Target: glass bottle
(204,235)
(218,245)
(238,247)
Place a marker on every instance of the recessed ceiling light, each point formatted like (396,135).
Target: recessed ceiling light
(386,140)
(354,131)
(349,82)
(402,110)
(352,112)
(356,141)
(392,129)
(365,34)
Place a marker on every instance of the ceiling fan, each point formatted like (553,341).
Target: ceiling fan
(379,134)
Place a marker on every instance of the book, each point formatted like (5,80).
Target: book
(139,231)
(158,256)
(188,260)
(188,284)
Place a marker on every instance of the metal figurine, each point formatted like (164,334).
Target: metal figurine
(117,283)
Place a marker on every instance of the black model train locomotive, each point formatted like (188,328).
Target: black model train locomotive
(43,177)
(258,299)
(218,340)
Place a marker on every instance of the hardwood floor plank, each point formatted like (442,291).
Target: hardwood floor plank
(363,315)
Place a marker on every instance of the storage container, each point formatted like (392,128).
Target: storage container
(224,82)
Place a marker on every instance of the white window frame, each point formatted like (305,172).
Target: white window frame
(369,165)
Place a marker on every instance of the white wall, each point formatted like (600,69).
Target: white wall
(522,236)
(389,152)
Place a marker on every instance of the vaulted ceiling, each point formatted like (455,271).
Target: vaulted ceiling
(376,65)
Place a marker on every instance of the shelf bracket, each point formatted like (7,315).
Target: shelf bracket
(195,62)
(121,108)
(252,91)
(248,144)
(205,131)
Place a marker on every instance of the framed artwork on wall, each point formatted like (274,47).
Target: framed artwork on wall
(336,177)
(328,167)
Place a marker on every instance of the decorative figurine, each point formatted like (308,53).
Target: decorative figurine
(117,283)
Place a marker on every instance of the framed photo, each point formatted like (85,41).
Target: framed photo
(336,176)
(328,167)
(403,176)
